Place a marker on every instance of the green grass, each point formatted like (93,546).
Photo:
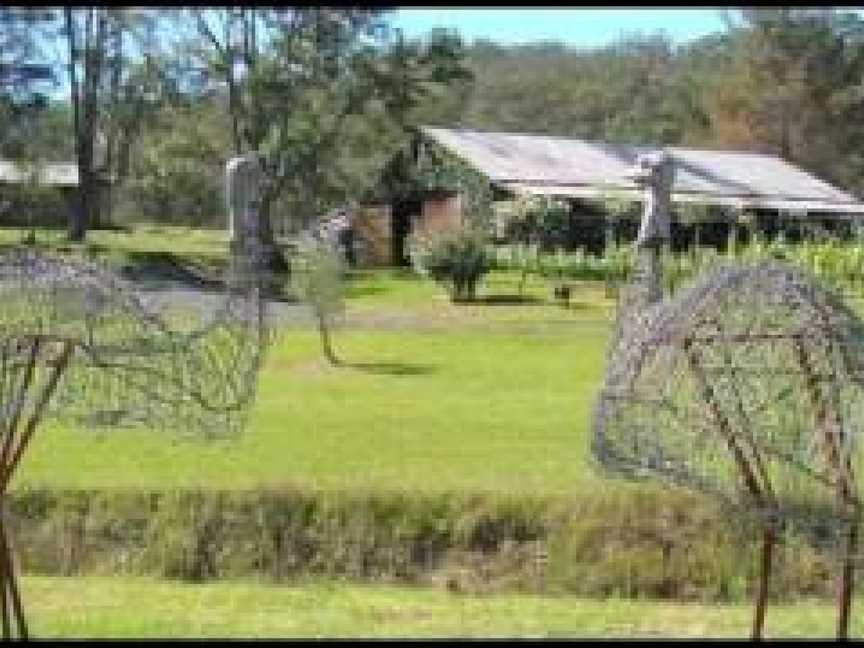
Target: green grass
(436,397)
(493,396)
(139,608)
(200,246)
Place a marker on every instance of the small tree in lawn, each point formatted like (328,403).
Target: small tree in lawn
(320,283)
(456,259)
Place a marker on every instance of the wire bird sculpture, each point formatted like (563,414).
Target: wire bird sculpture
(748,385)
(77,341)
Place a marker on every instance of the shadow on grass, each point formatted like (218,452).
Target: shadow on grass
(165,266)
(576,305)
(168,267)
(363,291)
(391,368)
(504,300)
(522,300)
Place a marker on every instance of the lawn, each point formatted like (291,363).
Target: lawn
(193,245)
(140,608)
(494,396)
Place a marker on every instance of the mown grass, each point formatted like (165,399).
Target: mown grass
(471,404)
(140,608)
(417,410)
(493,396)
(185,241)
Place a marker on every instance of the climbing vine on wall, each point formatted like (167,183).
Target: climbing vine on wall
(425,167)
(438,169)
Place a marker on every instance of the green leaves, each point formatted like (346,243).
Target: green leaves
(456,259)
(317,273)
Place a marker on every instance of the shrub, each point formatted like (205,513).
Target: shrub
(456,259)
(320,283)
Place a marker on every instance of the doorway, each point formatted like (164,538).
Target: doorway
(400,224)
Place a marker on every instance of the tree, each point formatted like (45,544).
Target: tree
(23,69)
(633,90)
(25,116)
(109,91)
(25,77)
(320,284)
(457,260)
(791,87)
(176,174)
(315,90)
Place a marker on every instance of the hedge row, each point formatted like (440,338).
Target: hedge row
(620,542)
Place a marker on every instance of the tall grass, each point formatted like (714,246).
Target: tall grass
(618,540)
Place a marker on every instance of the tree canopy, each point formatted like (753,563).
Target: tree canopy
(328,96)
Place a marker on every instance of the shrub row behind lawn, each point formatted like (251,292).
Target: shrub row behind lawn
(621,542)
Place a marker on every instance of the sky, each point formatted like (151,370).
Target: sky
(576,27)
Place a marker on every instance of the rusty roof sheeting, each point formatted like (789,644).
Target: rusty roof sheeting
(563,165)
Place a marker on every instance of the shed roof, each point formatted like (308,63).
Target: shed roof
(58,174)
(572,167)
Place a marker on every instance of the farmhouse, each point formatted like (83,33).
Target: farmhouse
(449,175)
(39,193)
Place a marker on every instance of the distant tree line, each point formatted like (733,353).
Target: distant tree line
(157,99)
(782,81)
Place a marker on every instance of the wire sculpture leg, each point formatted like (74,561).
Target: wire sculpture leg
(13,611)
(847,576)
(842,469)
(4,602)
(769,538)
(748,474)
(16,436)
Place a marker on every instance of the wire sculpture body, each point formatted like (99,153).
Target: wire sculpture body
(748,385)
(77,342)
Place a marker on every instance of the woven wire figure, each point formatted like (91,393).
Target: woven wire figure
(76,341)
(748,385)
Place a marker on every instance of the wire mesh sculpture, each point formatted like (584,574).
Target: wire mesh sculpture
(748,385)
(76,341)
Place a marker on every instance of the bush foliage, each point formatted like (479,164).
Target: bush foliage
(456,259)
(628,542)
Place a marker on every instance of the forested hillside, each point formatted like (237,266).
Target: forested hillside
(784,82)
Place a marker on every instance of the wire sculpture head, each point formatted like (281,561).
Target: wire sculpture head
(655,172)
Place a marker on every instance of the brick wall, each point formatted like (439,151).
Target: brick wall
(373,229)
(440,213)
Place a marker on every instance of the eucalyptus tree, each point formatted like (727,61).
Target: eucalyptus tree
(322,94)
(26,77)
(23,68)
(791,85)
(113,81)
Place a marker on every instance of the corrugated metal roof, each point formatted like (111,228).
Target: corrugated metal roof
(636,195)
(566,166)
(59,174)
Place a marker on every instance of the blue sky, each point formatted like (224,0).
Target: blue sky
(576,27)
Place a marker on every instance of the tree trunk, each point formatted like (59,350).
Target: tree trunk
(273,260)
(326,345)
(113,136)
(234,104)
(77,225)
(84,99)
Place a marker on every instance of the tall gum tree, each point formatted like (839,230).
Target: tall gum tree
(109,63)
(305,88)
